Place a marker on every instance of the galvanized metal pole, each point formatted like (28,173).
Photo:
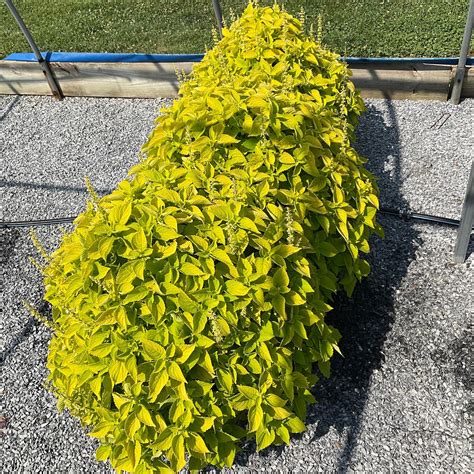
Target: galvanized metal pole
(467,220)
(218,13)
(53,84)
(461,68)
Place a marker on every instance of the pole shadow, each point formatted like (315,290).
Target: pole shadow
(9,107)
(51,187)
(9,241)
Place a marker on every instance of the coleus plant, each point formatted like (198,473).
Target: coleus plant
(189,304)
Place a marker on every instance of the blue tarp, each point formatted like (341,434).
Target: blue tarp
(106,57)
(172,58)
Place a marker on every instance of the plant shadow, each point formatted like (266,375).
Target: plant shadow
(9,107)
(365,319)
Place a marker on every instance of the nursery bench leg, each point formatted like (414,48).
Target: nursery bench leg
(461,69)
(218,13)
(44,65)
(467,220)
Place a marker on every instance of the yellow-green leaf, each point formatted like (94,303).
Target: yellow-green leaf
(132,425)
(190,269)
(196,443)
(156,384)
(374,200)
(275,400)
(342,228)
(103,452)
(227,139)
(175,372)
(280,278)
(139,240)
(118,371)
(236,288)
(250,392)
(144,416)
(278,302)
(121,213)
(264,438)
(166,233)
(153,350)
(263,352)
(215,104)
(255,417)
(295,425)
(102,429)
(248,224)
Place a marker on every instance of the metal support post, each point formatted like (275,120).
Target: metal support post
(467,220)
(218,13)
(461,67)
(53,84)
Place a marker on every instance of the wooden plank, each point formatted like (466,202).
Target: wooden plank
(150,80)
(22,78)
(402,81)
(468,84)
(147,80)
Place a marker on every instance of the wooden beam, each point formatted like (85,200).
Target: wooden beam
(152,79)
(468,83)
(147,80)
(402,81)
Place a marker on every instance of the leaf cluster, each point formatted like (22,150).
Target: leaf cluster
(189,304)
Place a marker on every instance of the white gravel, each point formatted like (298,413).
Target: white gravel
(398,401)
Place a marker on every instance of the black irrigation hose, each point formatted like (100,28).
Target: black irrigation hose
(421,217)
(388,211)
(37,223)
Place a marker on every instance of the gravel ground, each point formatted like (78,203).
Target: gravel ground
(400,398)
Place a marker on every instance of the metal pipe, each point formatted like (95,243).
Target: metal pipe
(461,68)
(383,210)
(218,12)
(53,84)
(37,223)
(467,219)
(421,217)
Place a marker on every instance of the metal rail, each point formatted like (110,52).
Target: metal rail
(388,211)
(36,223)
(467,220)
(218,12)
(461,67)
(420,217)
(53,84)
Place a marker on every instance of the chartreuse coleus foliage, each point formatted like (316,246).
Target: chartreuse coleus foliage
(189,304)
